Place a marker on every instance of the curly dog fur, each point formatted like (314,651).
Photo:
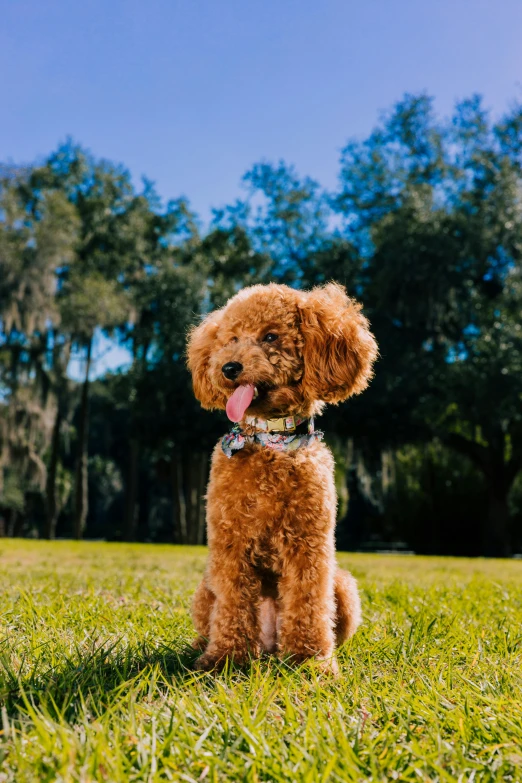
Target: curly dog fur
(272,583)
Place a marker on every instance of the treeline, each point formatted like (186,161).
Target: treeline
(425,228)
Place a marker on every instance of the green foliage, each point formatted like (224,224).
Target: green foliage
(92,302)
(425,228)
(285,218)
(434,208)
(37,234)
(436,501)
(95,680)
(12,493)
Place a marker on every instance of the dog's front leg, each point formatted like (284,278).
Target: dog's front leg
(306,591)
(234,621)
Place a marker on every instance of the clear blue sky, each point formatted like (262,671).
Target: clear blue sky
(190,93)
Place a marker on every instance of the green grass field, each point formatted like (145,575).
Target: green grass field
(95,682)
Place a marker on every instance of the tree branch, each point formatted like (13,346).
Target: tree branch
(513,466)
(469,448)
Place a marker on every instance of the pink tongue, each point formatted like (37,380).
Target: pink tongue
(239,402)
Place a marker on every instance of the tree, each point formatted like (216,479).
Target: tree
(187,278)
(164,299)
(435,211)
(38,231)
(110,254)
(284,219)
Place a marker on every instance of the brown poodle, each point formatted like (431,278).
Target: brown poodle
(272,357)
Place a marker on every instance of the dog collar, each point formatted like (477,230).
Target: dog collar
(276,440)
(284,424)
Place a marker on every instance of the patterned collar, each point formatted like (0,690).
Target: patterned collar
(276,434)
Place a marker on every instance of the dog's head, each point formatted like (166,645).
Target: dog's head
(274,351)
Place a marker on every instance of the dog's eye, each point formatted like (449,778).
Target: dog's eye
(270,337)
(233,340)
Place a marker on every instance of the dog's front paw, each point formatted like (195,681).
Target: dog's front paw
(215,660)
(206,663)
(322,665)
(328,666)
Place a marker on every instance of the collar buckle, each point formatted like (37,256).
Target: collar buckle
(283,424)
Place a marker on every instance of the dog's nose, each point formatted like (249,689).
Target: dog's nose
(231,370)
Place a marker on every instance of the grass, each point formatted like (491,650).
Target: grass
(95,682)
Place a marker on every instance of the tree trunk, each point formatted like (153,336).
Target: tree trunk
(16,524)
(203,462)
(60,364)
(433,538)
(496,539)
(81,489)
(143,527)
(195,484)
(131,507)
(11,523)
(179,506)
(192,486)
(51,499)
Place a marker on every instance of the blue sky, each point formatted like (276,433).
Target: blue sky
(191,93)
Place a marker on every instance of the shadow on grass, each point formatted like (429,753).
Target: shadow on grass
(97,677)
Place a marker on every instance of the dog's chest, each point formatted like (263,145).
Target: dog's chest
(264,500)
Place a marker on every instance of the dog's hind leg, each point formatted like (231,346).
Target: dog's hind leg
(348,606)
(202,605)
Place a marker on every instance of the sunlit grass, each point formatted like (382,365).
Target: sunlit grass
(95,683)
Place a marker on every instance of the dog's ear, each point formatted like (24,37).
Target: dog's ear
(339,349)
(201,341)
